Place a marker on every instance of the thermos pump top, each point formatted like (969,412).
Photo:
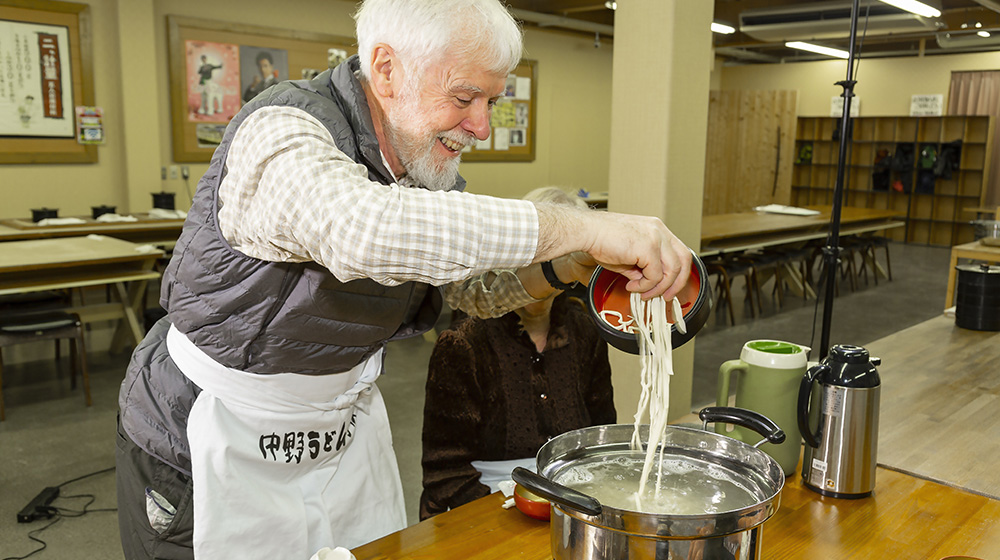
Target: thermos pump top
(840,396)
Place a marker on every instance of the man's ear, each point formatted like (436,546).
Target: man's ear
(386,72)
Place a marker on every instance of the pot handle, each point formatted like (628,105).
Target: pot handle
(746,418)
(555,492)
(805,395)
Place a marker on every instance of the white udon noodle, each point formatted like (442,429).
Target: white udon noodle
(656,354)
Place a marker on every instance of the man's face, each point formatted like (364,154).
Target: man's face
(266,70)
(439,113)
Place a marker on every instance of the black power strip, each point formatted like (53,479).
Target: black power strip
(39,506)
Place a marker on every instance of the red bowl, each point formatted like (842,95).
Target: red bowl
(607,292)
(531,504)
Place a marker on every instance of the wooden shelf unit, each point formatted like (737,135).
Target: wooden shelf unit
(932,218)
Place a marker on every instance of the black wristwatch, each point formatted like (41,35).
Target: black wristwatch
(554,280)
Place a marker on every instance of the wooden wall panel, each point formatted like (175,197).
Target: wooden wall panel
(742,148)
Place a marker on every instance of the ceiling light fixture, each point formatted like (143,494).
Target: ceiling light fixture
(611,5)
(817,49)
(915,7)
(724,29)
(983,33)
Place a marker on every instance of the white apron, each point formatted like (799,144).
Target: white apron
(285,464)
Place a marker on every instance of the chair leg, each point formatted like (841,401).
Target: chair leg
(2,414)
(888,265)
(748,279)
(727,295)
(72,364)
(80,350)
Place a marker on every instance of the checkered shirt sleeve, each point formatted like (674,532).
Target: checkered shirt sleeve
(290,195)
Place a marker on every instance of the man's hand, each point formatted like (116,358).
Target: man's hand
(641,248)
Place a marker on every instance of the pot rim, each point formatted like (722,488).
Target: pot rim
(668,525)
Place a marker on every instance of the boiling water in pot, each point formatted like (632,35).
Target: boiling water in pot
(688,486)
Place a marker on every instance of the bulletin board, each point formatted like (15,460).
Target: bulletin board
(215,67)
(46,72)
(512,124)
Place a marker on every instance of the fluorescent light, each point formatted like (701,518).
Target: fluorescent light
(720,28)
(817,49)
(611,5)
(983,33)
(915,7)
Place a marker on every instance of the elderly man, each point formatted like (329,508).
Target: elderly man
(250,424)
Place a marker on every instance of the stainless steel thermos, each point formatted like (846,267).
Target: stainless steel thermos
(841,397)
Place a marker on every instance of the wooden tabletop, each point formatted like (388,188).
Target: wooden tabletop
(144,229)
(42,254)
(906,518)
(747,224)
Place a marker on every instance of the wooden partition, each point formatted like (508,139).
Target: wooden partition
(750,150)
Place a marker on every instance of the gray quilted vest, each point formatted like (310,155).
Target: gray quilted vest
(259,316)
(267,317)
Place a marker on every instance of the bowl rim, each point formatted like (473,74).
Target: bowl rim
(695,318)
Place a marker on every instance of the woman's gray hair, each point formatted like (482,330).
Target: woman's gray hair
(555,195)
(424,31)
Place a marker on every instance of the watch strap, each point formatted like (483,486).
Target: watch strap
(554,281)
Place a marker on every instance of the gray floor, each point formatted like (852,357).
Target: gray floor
(50,437)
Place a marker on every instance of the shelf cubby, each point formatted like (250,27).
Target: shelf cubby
(935,215)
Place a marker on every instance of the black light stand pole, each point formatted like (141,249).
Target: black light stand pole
(831,253)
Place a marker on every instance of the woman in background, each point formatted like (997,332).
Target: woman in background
(497,389)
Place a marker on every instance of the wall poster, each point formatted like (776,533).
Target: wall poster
(218,66)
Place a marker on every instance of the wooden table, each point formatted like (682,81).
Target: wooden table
(73,262)
(973,250)
(907,518)
(145,230)
(741,231)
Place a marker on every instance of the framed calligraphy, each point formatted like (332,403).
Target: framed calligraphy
(45,73)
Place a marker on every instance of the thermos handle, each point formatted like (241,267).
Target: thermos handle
(805,394)
(722,397)
(555,492)
(746,418)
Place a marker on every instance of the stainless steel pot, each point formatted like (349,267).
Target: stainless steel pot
(583,528)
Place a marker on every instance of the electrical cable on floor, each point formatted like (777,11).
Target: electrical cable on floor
(58,513)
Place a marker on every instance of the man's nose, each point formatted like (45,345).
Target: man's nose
(478,120)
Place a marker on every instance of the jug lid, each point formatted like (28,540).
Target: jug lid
(851,366)
(774,354)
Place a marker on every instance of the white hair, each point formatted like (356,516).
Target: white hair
(425,31)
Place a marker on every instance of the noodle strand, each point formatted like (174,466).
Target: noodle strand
(656,355)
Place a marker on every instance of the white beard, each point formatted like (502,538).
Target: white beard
(406,130)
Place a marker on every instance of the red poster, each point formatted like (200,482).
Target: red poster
(48,48)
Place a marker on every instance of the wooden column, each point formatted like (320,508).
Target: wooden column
(659,114)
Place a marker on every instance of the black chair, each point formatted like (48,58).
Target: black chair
(32,326)
(724,269)
(798,260)
(771,264)
(872,244)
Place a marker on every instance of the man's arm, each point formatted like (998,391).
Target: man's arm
(638,247)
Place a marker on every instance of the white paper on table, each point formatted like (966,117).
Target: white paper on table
(60,222)
(116,218)
(782,209)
